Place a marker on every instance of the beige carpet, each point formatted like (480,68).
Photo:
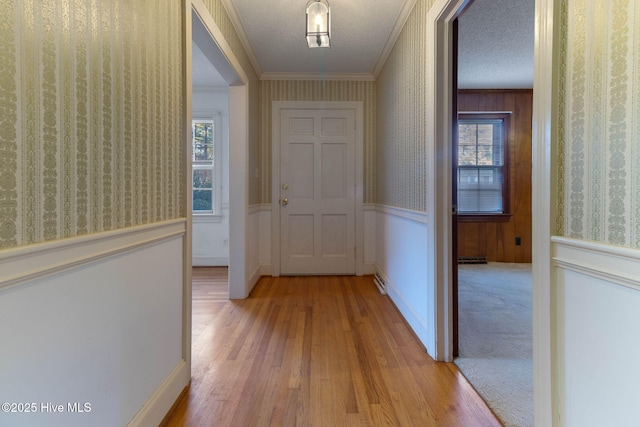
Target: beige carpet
(495,337)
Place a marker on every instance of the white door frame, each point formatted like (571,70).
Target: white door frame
(544,138)
(439,123)
(277,106)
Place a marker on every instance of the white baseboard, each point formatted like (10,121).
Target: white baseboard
(155,409)
(415,321)
(203,261)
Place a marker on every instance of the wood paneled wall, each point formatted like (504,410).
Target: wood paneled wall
(497,240)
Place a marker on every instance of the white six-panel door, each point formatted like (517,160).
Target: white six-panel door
(317,191)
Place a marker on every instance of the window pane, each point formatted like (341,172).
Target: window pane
(202,140)
(202,152)
(467,154)
(480,142)
(490,189)
(485,155)
(490,201)
(498,144)
(467,189)
(489,178)
(202,200)
(485,134)
(202,178)
(468,178)
(480,190)
(485,144)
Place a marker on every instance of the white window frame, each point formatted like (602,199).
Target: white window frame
(489,117)
(215,214)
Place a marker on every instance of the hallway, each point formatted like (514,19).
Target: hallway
(316,351)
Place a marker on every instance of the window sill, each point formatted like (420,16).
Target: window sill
(202,218)
(466,217)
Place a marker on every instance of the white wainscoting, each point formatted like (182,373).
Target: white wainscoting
(253,252)
(211,239)
(401,253)
(597,325)
(95,319)
(369,249)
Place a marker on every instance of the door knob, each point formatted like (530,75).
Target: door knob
(285,202)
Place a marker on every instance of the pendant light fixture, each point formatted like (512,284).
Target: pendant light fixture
(318,24)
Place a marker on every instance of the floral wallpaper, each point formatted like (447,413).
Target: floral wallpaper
(91,102)
(599,122)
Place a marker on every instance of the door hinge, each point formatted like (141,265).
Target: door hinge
(355,252)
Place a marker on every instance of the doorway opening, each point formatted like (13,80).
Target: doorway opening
(209,155)
(491,189)
(544,132)
(202,34)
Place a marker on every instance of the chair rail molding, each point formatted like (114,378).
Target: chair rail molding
(27,263)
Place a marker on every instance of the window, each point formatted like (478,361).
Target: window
(483,164)
(205,165)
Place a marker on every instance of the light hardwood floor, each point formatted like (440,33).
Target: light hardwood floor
(315,351)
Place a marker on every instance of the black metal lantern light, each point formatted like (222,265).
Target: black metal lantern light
(318,24)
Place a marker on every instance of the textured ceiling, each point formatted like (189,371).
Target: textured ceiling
(495,51)
(496,45)
(276,31)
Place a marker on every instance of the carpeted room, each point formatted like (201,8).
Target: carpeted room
(495,337)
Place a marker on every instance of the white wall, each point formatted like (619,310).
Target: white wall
(264,240)
(253,250)
(211,232)
(370,235)
(597,326)
(401,251)
(97,320)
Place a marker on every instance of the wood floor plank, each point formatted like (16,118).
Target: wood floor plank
(315,351)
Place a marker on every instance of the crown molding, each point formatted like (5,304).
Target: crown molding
(393,37)
(242,35)
(319,76)
(405,12)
